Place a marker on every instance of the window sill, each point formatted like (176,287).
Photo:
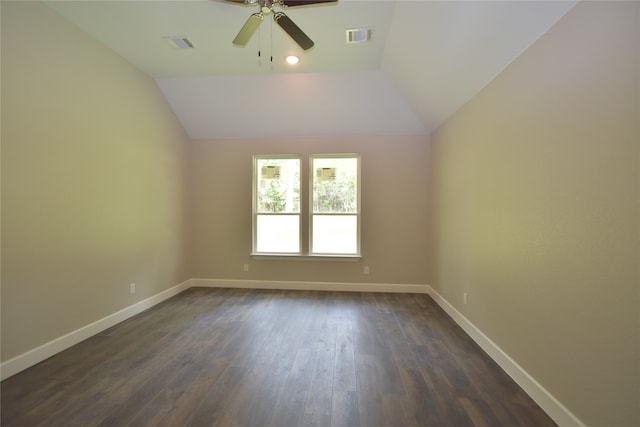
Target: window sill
(297,257)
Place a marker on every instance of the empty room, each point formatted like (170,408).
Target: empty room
(320,213)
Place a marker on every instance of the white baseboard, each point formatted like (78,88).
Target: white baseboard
(309,286)
(556,410)
(38,354)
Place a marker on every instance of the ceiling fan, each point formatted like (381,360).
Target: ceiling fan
(266,7)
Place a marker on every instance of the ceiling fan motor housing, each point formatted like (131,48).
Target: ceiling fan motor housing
(265,6)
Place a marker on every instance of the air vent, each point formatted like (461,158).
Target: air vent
(358,35)
(179,42)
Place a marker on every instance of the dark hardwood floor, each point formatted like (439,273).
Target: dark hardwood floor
(234,357)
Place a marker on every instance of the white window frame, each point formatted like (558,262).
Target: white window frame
(311,213)
(255,213)
(305,222)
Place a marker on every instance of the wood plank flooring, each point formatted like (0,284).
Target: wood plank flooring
(237,357)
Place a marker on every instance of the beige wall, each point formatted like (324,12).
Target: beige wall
(536,207)
(393,207)
(93,173)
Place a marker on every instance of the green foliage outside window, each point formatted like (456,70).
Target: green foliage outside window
(279,195)
(340,194)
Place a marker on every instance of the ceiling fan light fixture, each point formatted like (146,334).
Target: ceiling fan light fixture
(292,59)
(266,6)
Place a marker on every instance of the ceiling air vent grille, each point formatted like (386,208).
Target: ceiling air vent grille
(179,42)
(358,35)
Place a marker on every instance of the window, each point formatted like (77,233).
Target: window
(284,223)
(335,205)
(276,205)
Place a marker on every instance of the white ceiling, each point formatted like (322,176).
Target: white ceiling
(425,60)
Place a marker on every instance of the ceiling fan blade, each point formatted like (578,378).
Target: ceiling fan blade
(293,3)
(248,29)
(293,30)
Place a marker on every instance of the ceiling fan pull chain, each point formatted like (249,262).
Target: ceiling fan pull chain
(271,42)
(259,47)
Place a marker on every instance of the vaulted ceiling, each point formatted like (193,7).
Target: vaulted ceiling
(424,61)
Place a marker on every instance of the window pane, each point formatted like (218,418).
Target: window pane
(278,186)
(335,234)
(335,185)
(278,233)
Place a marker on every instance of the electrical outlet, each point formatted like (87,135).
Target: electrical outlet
(245,267)
(366,269)
(132,288)
(465,298)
